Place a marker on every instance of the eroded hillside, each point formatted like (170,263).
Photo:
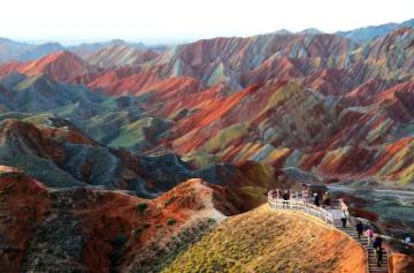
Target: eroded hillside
(85,230)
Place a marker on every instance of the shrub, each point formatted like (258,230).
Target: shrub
(142,207)
(119,240)
(115,258)
(171,221)
(137,232)
(170,200)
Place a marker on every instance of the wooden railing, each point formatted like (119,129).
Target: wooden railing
(301,205)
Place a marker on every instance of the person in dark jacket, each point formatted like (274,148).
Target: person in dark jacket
(286,197)
(377,242)
(343,218)
(359,228)
(378,249)
(378,254)
(316,199)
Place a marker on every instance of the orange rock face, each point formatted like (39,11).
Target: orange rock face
(402,263)
(60,66)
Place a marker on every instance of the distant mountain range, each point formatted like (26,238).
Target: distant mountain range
(17,51)
(367,34)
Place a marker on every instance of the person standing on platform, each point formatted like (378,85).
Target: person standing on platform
(305,191)
(343,218)
(316,199)
(285,197)
(326,199)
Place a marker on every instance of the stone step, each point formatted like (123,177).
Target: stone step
(384,260)
(373,255)
(384,252)
(384,257)
(373,258)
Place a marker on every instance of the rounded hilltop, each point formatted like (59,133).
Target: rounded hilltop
(265,240)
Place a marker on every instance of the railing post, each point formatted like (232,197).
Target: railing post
(389,260)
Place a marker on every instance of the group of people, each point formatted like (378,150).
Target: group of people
(287,194)
(316,198)
(326,199)
(375,243)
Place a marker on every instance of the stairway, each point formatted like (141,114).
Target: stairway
(373,268)
(334,210)
(372,261)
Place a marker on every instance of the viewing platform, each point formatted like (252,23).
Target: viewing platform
(331,214)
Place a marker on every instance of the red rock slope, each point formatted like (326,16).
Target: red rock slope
(95,230)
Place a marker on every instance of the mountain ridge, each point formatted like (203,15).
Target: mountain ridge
(22,51)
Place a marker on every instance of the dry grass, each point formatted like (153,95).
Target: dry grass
(271,241)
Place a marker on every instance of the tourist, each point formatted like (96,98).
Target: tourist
(286,197)
(378,249)
(407,240)
(359,228)
(316,199)
(305,191)
(378,254)
(377,242)
(343,218)
(370,234)
(326,199)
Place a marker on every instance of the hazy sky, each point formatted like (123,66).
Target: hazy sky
(151,21)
